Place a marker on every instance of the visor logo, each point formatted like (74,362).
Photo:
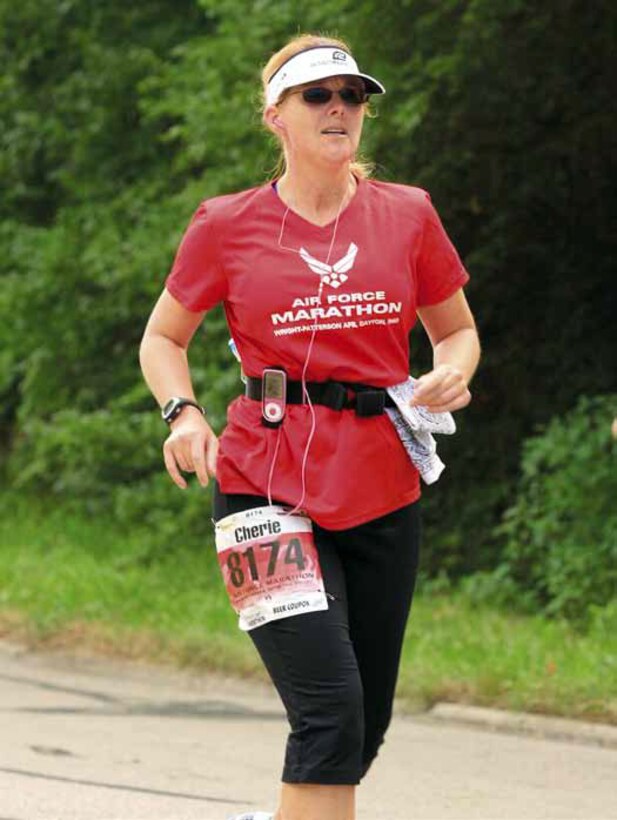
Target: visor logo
(339,55)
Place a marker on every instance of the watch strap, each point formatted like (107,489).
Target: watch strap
(174,406)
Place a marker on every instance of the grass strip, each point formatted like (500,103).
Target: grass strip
(67,581)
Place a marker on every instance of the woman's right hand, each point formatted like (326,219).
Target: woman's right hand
(191,447)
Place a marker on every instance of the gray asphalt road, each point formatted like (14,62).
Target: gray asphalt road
(84,738)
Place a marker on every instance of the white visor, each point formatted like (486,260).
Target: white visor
(317,63)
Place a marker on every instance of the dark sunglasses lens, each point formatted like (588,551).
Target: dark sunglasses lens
(352,96)
(317,95)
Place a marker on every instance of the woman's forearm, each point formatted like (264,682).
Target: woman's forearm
(165,368)
(461,349)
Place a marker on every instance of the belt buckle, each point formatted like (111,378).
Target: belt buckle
(334,396)
(370,402)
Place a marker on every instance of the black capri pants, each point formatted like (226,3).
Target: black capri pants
(336,670)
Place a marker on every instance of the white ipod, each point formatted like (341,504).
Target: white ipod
(273,396)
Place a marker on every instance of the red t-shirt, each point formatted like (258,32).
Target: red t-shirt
(391,255)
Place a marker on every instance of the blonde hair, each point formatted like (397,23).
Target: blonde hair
(360,167)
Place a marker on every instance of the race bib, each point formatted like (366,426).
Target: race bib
(270,565)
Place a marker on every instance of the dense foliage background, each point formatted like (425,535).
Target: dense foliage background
(117,119)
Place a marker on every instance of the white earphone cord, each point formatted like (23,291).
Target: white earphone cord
(305,393)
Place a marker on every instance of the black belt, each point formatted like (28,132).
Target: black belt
(363,398)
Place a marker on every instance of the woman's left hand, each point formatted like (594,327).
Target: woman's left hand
(441,390)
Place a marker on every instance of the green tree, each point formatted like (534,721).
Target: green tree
(118,120)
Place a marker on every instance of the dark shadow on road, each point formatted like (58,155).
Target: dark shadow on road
(124,787)
(120,706)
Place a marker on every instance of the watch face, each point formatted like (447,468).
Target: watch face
(169,405)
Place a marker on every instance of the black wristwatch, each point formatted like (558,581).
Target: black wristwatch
(174,407)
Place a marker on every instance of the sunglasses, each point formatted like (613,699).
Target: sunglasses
(319,95)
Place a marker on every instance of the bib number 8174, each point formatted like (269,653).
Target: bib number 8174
(291,554)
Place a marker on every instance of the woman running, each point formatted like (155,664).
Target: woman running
(322,273)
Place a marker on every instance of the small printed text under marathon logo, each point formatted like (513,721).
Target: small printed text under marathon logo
(287,331)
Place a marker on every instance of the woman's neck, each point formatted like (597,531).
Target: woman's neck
(317,198)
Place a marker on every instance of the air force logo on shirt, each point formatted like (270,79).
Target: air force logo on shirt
(333,275)
(336,309)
